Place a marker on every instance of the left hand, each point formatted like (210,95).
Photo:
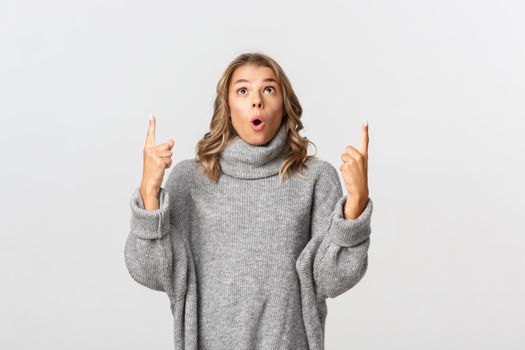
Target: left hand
(355,174)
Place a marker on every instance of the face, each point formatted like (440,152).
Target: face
(255,91)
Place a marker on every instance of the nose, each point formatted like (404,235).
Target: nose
(257,102)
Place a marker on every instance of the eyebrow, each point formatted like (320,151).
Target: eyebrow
(247,81)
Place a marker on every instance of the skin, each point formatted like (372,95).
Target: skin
(157,158)
(355,169)
(254,96)
(257,96)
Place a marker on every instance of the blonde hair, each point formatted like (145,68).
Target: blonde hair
(222,132)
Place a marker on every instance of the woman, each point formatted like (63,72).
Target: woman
(249,238)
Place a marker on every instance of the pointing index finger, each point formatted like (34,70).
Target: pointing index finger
(364,139)
(150,137)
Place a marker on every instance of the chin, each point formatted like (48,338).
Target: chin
(257,140)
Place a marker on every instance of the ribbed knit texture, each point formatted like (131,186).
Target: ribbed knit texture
(247,263)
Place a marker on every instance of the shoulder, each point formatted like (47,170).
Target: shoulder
(327,187)
(322,170)
(327,184)
(181,174)
(186,165)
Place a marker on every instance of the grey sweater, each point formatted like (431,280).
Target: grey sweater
(247,263)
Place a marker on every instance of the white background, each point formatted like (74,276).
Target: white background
(442,84)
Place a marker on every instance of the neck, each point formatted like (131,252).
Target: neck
(245,161)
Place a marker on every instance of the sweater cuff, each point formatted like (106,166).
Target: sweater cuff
(349,232)
(150,224)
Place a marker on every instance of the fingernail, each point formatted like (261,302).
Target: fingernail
(150,117)
(365,123)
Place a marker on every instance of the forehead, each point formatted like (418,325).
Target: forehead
(252,73)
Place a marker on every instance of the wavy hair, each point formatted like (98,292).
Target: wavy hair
(222,132)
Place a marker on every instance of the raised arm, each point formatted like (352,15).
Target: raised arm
(155,251)
(337,252)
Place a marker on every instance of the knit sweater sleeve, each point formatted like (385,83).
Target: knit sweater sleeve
(339,246)
(154,252)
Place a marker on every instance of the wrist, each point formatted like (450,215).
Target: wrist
(151,193)
(354,208)
(150,199)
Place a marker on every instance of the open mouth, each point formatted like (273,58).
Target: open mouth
(257,123)
(256,119)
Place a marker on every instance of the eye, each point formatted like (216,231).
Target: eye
(244,89)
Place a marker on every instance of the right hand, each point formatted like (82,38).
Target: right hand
(157,158)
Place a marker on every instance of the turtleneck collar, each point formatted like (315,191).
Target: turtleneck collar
(245,161)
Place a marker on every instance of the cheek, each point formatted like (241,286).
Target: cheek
(237,105)
(275,104)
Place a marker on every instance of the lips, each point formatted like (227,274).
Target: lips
(257,123)
(256,120)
